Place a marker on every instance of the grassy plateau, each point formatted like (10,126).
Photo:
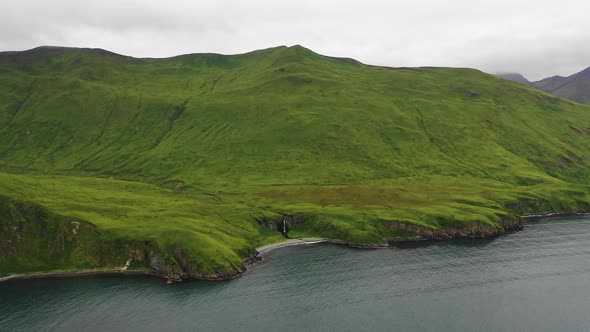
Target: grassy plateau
(172,164)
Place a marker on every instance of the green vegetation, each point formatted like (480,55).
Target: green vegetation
(187,153)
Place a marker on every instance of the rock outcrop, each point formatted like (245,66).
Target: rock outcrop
(283,224)
(471,230)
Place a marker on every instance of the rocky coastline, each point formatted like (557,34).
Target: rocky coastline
(81,273)
(472,230)
(158,268)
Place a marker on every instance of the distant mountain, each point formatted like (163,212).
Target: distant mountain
(549,82)
(575,87)
(516,77)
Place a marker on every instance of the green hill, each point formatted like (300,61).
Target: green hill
(177,164)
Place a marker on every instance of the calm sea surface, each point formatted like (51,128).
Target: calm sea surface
(534,280)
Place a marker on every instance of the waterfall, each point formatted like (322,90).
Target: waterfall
(285,226)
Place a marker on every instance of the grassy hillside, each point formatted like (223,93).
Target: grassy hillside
(188,153)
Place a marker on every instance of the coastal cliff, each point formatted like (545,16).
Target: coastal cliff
(35,240)
(64,247)
(471,230)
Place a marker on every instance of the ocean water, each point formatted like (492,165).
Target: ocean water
(537,279)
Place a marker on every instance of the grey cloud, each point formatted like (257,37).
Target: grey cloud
(537,38)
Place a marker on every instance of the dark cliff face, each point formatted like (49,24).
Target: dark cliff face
(179,267)
(283,224)
(472,230)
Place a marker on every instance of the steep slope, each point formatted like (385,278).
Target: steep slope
(227,144)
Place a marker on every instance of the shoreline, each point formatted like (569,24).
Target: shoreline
(266,249)
(261,252)
(80,273)
(554,214)
(115,272)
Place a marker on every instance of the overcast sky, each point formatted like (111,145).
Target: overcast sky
(537,38)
